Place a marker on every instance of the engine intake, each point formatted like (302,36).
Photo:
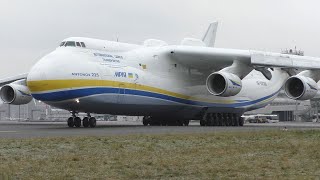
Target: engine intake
(300,88)
(15,94)
(223,84)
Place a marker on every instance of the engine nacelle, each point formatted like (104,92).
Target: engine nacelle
(15,94)
(224,84)
(300,88)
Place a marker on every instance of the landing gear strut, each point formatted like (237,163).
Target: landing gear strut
(221,119)
(75,121)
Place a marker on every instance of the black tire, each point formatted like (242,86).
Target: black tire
(77,122)
(209,120)
(230,121)
(145,121)
(219,120)
(155,122)
(202,122)
(186,122)
(216,121)
(241,121)
(172,122)
(236,121)
(179,122)
(164,122)
(224,121)
(92,122)
(85,122)
(70,122)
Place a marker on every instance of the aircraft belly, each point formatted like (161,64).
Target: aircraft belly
(132,105)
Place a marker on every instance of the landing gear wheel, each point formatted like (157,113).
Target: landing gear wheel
(92,122)
(236,121)
(70,122)
(179,122)
(146,120)
(202,122)
(85,122)
(214,120)
(77,122)
(209,120)
(164,122)
(219,117)
(145,123)
(186,122)
(224,120)
(241,121)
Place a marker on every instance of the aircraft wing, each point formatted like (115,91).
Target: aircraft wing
(206,58)
(12,79)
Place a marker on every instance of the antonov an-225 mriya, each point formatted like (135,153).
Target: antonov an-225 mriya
(167,84)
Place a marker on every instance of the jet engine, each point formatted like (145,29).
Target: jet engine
(224,84)
(300,88)
(15,94)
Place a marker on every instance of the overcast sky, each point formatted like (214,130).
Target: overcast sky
(30,29)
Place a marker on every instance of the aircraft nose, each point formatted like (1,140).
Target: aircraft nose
(36,75)
(36,78)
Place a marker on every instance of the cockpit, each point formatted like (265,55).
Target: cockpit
(72,44)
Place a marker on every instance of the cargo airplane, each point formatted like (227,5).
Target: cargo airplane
(167,84)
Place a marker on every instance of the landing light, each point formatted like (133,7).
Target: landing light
(77,100)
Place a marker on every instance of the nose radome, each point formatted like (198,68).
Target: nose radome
(36,78)
(36,75)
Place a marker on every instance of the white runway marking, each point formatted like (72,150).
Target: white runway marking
(8,131)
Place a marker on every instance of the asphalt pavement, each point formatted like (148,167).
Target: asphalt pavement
(14,129)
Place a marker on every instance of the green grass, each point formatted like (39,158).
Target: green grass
(237,155)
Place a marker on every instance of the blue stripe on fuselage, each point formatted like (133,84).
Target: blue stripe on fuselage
(78,93)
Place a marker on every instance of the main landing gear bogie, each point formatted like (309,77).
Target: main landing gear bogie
(222,119)
(154,121)
(75,121)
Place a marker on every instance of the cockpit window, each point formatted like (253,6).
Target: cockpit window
(83,45)
(62,43)
(70,43)
(78,44)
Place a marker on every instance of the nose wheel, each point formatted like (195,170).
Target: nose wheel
(87,121)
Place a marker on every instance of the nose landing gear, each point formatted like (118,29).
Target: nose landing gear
(75,121)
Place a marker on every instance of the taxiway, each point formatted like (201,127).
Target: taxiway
(59,129)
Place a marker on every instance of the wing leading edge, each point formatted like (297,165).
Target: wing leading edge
(12,79)
(204,58)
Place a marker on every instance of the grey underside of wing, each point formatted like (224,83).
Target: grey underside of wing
(12,79)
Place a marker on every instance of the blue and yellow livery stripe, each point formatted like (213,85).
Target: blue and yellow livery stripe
(59,90)
(46,86)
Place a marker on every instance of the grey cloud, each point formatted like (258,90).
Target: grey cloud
(30,29)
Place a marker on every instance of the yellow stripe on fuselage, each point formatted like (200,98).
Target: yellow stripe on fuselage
(55,85)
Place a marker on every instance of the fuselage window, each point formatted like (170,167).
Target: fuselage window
(70,43)
(78,44)
(62,43)
(83,45)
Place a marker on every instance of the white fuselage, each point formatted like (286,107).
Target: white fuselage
(128,79)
